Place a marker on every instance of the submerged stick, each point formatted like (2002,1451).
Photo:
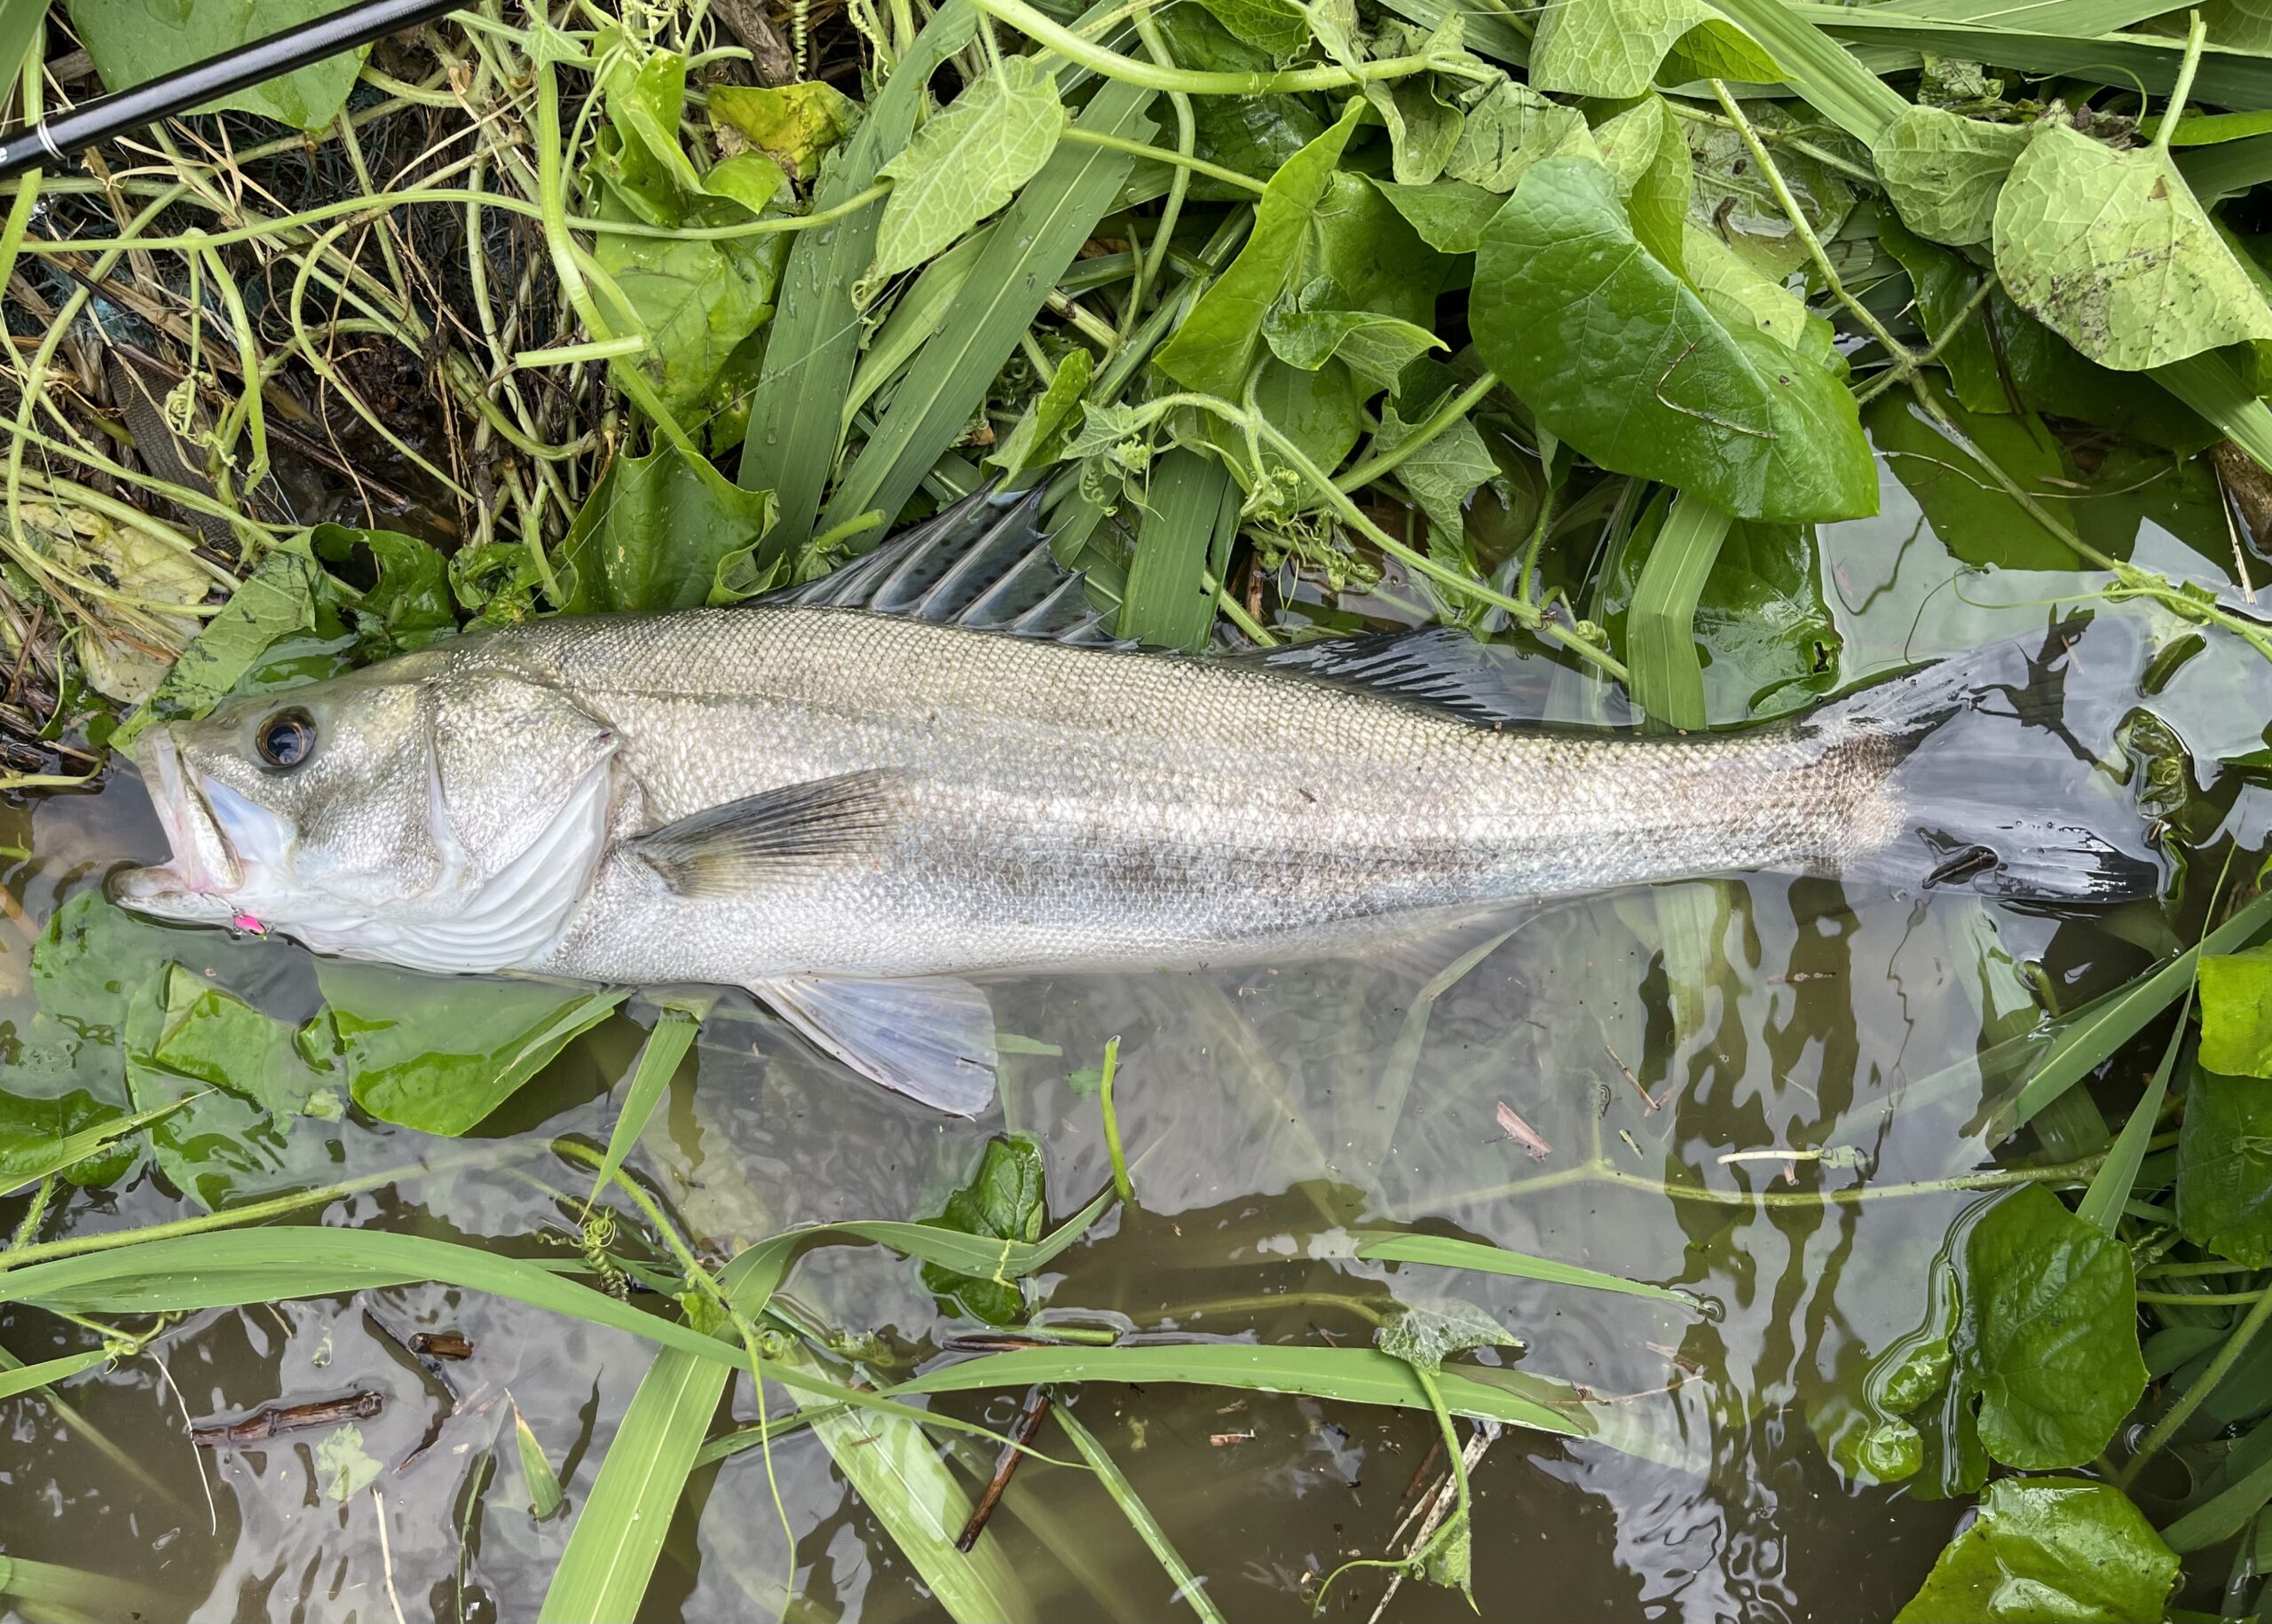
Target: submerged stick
(1029,1420)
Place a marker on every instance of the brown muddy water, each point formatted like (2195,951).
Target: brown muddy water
(1646,1037)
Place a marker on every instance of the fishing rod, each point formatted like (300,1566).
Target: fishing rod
(91,123)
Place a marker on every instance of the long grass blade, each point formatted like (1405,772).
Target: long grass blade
(1029,250)
(2110,1187)
(1190,1588)
(1819,67)
(2212,386)
(1193,508)
(1660,623)
(795,414)
(28,1378)
(2083,1047)
(620,1527)
(1446,1252)
(1354,1375)
(659,1058)
(2084,17)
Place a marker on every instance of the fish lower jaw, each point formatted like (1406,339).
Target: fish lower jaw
(175,891)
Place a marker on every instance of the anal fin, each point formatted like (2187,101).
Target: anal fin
(930,1038)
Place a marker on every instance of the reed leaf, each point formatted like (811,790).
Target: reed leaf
(1446,1252)
(1190,1588)
(47,1373)
(1660,623)
(659,1058)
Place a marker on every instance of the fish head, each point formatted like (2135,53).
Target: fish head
(418,812)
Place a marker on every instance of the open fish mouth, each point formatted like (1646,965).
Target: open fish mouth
(206,874)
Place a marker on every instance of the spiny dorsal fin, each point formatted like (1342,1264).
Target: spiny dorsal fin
(1438,665)
(731,850)
(983,564)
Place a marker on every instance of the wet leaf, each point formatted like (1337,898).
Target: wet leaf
(2058,1550)
(1429,1332)
(1942,172)
(1005,1199)
(1511,128)
(73,1135)
(91,959)
(1620,359)
(2045,1337)
(1254,135)
(124,651)
(1314,327)
(793,124)
(1442,474)
(2111,251)
(134,41)
(1448,215)
(661,532)
(1277,26)
(1645,148)
(1041,433)
(2237,1014)
(1737,291)
(2224,1166)
(1214,348)
(967,163)
(277,600)
(537,1476)
(410,605)
(1191,513)
(342,1465)
(437,1053)
(1732,198)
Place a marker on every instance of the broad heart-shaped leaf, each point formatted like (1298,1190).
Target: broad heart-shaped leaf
(409,605)
(2046,1334)
(967,163)
(1943,171)
(1645,149)
(661,532)
(2237,1013)
(1005,1200)
(2049,1548)
(1215,346)
(1277,26)
(1613,48)
(1447,215)
(2224,1166)
(1442,474)
(1429,1332)
(1310,331)
(133,41)
(439,1053)
(2112,252)
(1511,127)
(1619,358)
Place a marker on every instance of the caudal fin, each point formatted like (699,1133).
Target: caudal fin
(1991,787)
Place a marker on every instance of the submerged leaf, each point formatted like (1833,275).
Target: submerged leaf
(1005,1199)
(2112,252)
(1429,1332)
(2049,1548)
(344,1465)
(275,601)
(967,163)
(1618,356)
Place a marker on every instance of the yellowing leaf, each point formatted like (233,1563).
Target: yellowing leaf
(967,163)
(792,123)
(1944,172)
(2112,252)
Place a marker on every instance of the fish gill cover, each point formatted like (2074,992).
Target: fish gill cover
(1599,330)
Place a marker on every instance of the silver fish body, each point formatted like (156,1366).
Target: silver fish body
(853,813)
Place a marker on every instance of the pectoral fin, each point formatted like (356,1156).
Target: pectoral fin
(732,849)
(932,1039)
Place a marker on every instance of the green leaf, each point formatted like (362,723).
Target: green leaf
(1035,240)
(1004,1200)
(1617,356)
(789,448)
(1448,215)
(1661,624)
(1041,433)
(2111,251)
(666,1044)
(1818,67)
(1511,127)
(39,1138)
(793,124)
(1732,199)
(664,531)
(275,601)
(1275,26)
(342,1465)
(134,41)
(1944,172)
(49,1372)
(1214,347)
(967,163)
(1314,329)
(1425,1334)
(1613,48)
(2047,1334)
(1192,513)
(2111,1186)
(409,605)
(1444,473)
(2237,1013)
(1734,288)
(2059,1550)
(439,1053)
(1645,148)
(543,1484)
(91,959)
(2224,1166)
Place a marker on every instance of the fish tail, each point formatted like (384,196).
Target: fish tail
(1984,781)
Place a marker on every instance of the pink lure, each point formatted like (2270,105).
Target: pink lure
(244,921)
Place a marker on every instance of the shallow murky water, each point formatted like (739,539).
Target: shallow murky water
(1646,1037)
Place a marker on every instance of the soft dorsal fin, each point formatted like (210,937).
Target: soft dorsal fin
(1439,666)
(731,850)
(983,564)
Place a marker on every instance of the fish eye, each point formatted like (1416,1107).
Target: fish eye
(286,738)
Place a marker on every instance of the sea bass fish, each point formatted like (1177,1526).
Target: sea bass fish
(853,801)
